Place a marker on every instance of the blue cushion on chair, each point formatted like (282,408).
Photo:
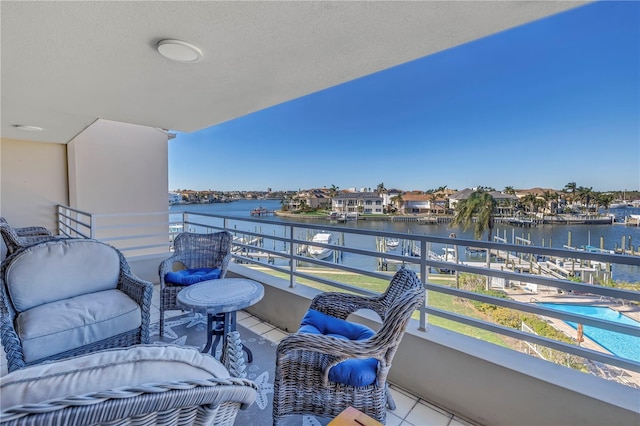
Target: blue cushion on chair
(192,276)
(352,372)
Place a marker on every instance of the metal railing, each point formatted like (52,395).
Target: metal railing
(280,247)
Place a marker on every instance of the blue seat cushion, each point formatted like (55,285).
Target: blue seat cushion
(192,276)
(352,372)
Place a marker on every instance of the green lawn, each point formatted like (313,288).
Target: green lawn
(435,299)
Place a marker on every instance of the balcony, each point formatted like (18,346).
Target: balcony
(478,368)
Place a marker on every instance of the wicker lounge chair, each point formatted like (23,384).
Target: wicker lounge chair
(68,297)
(305,362)
(141,385)
(192,251)
(17,238)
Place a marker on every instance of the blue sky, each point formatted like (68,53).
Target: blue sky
(541,105)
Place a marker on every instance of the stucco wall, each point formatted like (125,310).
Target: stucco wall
(118,167)
(33,180)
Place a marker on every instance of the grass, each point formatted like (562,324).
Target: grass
(437,300)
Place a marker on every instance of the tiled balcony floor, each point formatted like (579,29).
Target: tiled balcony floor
(410,410)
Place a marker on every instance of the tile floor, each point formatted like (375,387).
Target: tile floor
(410,410)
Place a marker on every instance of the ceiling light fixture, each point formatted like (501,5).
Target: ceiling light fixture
(178,50)
(27,128)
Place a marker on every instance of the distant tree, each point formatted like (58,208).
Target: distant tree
(570,190)
(529,201)
(433,197)
(284,202)
(585,194)
(380,189)
(548,197)
(480,205)
(397,201)
(605,199)
(509,190)
(333,191)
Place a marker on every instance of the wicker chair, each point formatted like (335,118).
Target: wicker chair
(199,391)
(28,230)
(17,238)
(68,297)
(191,251)
(304,360)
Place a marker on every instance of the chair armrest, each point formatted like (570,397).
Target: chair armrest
(166,266)
(233,355)
(341,305)
(340,348)
(224,265)
(32,231)
(141,292)
(135,402)
(10,341)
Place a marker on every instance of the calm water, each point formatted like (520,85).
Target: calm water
(551,235)
(623,345)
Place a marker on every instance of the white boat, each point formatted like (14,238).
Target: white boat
(619,205)
(392,243)
(339,216)
(352,216)
(449,255)
(317,251)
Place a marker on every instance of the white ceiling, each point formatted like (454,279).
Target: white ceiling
(65,64)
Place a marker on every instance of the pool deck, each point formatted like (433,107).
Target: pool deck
(630,310)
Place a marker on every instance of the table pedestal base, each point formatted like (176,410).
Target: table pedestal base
(219,325)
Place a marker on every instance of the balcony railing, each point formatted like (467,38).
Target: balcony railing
(512,279)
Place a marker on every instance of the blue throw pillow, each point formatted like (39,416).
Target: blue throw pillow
(353,372)
(192,276)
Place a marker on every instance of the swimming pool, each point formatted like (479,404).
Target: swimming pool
(622,345)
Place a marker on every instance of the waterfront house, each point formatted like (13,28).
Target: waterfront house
(313,198)
(358,202)
(174,198)
(422,204)
(86,99)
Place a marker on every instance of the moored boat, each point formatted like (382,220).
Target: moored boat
(317,251)
(392,243)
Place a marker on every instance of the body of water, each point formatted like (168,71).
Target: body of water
(555,236)
(623,345)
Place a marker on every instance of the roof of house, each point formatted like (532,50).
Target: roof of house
(466,193)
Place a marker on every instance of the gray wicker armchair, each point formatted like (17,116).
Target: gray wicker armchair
(305,362)
(157,384)
(191,251)
(17,238)
(68,297)
(28,230)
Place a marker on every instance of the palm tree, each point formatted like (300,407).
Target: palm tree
(433,198)
(397,201)
(530,201)
(509,190)
(480,205)
(584,195)
(570,189)
(284,203)
(380,189)
(548,197)
(605,199)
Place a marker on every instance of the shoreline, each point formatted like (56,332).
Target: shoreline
(563,220)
